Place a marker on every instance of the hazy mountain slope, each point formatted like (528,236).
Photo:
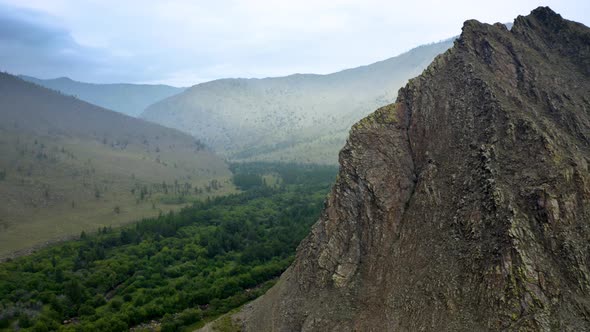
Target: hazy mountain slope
(302,118)
(464,206)
(67,166)
(130,99)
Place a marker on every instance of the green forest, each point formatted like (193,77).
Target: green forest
(176,269)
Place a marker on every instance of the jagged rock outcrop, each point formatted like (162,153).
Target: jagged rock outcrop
(464,206)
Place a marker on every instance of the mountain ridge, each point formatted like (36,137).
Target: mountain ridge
(300,117)
(464,205)
(127,98)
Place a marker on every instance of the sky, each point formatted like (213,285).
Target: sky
(183,42)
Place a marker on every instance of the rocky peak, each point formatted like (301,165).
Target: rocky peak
(463,206)
(542,17)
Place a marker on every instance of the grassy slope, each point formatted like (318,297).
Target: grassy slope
(69,164)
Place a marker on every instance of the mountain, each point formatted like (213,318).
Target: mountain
(68,166)
(465,205)
(302,118)
(130,99)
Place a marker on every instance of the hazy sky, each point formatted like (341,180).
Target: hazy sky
(182,42)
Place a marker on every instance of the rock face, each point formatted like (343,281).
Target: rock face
(463,206)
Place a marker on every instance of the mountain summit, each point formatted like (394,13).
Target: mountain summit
(465,205)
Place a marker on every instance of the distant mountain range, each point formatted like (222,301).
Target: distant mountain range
(300,118)
(130,99)
(68,166)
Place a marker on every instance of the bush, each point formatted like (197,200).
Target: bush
(169,324)
(190,316)
(24,321)
(85,310)
(45,324)
(113,324)
(40,327)
(98,300)
(116,304)
(247,181)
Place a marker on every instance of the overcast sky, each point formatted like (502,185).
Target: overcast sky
(182,42)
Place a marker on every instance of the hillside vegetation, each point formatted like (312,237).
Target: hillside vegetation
(130,99)
(301,118)
(171,271)
(68,165)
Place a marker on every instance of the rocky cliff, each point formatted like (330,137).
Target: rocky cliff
(463,206)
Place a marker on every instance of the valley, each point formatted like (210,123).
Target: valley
(443,189)
(179,269)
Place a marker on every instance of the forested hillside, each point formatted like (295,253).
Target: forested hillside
(176,269)
(301,118)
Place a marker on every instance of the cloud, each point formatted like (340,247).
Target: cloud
(185,42)
(38,44)
(30,43)
(34,43)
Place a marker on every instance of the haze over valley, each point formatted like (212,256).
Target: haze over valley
(129,99)
(298,118)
